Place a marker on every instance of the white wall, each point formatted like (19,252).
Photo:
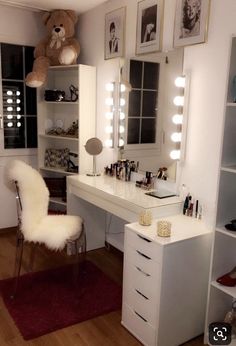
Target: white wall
(207,64)
(24,27)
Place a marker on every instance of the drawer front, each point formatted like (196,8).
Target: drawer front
(134,278)
(147,307)
(140,261)
(136,324)
(140,243)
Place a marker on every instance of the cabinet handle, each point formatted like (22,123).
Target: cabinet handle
(144,319)
(143,238)
(141,294)
(140,270)
(142,254)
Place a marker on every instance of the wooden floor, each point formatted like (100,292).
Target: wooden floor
(105,330)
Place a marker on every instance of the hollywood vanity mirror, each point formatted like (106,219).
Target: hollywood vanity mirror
(150,109)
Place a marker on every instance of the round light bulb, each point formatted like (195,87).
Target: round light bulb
(9,116)
(9,109)
(122,88)
(109,101)
(180,82)
(18,93)
(9,100)
(109,129)
(175,154)
(177,119)
(109,115)
(121,129)
(122,102)
(121,142)
(9,92)
(179,100)
(110,87)
(122,115)
(17,100)
(108,143)
(176,136)
(18,109)
(18,116)
(18,124)
(10,124)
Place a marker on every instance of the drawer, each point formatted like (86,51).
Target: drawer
(135,323)
(147,307)
(139,242)
(134,278)
(140,261)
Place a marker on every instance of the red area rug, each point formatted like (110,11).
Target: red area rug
(50,300)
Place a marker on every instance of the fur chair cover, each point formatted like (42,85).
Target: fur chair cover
(36,224)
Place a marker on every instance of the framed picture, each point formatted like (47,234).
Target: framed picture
(114,33)
(149,25)
(191,20)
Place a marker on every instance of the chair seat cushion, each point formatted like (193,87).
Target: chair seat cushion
(55,230)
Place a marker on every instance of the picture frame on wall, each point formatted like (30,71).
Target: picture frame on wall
(191,20)
(149,26)
(115,33)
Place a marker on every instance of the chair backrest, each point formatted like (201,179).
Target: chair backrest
(34,195)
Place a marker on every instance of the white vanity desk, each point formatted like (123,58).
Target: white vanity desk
(93,197)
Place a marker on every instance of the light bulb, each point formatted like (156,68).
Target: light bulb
(179,100)
(109,143)
(18,124)
(10,124)
(109,115)
(9,101)
(9,116)
(110,87)
(122,88)
(122,102)
(18,109)
(18,93)
(17,100)
(121,129)
(121,142)
(176,136)
(9,109)
(175,154)
(18,116)
(109,101)
(9,92)
(177,119)
(180,82)
(122,115)
(109,129)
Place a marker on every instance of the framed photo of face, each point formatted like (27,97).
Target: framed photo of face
(149,26)
(114,33)
(191,19)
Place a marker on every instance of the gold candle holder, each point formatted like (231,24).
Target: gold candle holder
(163,228)
(145,218)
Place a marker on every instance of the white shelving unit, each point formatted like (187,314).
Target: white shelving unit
(65,113)
(220,297)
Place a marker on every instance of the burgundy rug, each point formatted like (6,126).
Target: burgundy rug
(50,300)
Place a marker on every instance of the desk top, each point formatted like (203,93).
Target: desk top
(119,192)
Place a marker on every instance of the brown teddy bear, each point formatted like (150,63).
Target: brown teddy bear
(58,48)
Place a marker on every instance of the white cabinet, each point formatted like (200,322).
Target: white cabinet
(64,113)
(220,297)
(165,281)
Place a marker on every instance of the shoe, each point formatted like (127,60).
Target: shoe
(228,279)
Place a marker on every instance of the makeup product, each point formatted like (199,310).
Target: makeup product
(186,204)
(196,209)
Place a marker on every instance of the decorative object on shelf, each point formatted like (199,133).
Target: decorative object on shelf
(58,48)
(228,279)
(230,317)
(73,93)
(145,217)
(72,130)
(163,228)
(191,19)
(231,226)
(115,33)
(71,167)
(94,147)
(54,95)
(57,158)
(149,26)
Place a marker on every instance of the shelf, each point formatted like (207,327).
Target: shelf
(59,137)
(57,200)
(116,240)
(231,291)
(62,102)
(55,170)
(221,229)
(64,67)
(229,168)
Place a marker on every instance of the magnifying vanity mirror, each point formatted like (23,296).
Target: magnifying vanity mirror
(150,109)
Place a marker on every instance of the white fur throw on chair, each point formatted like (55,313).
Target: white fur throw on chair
(36,224)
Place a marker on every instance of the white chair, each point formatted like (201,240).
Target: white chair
(34,223)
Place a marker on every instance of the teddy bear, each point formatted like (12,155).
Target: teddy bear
(58,48)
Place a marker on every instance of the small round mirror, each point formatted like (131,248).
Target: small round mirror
(94,147)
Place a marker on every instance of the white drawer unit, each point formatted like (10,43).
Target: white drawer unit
(165,281)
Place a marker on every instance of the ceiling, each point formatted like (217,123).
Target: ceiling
(79,6)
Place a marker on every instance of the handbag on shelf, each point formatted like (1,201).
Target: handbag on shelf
(57,158)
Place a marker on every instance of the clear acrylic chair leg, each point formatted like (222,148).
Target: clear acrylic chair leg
(18,262)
